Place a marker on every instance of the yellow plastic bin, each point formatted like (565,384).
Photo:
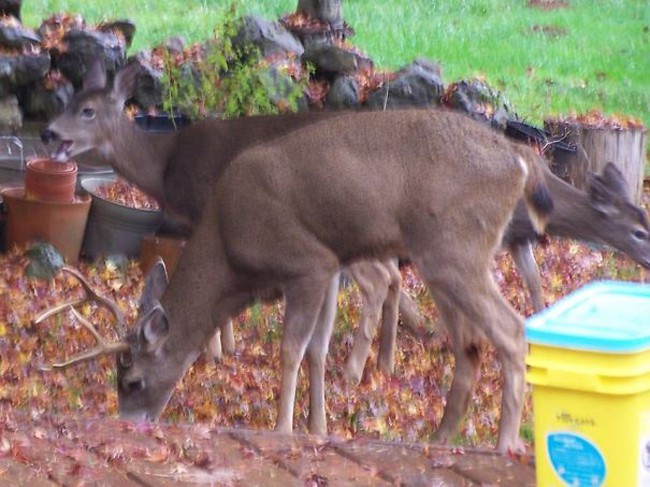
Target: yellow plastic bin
(589,364)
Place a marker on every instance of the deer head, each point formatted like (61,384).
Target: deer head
(93,113)
(145,379)
(138,398)
(618,221)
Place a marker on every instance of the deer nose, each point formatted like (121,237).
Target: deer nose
(48,136)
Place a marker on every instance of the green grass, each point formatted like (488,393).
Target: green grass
(599,59)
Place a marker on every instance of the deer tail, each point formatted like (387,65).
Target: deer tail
(536,193)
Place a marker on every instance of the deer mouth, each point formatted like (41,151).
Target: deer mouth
(62,153)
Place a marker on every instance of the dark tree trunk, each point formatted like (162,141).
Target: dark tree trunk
(328,11)
(10,7)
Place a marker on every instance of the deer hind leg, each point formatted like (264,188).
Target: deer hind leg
(373,281)
(390,318)
(472,291)
(316,357)
(524,259)
(303,300)
(467,358)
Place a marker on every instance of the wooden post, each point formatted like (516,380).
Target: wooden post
(625,147)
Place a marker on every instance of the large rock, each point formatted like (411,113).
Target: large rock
(44,100)
(18,71)
(331,61)
(16,36)
(83,46)
(481,101)
(124,27)
(343,94)
(149,89)
(418,84)
(272,38)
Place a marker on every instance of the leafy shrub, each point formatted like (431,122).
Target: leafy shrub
(218,78)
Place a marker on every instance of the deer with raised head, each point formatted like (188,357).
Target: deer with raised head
(432,186)
(180,168)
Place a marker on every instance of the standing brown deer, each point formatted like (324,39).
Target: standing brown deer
(179,169)
(432,186)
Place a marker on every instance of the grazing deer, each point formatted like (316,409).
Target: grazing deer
(179,169)
(432,186)
(603,214)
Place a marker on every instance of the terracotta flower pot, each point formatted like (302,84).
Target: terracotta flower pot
(48,180)
(168,248)
(61,224)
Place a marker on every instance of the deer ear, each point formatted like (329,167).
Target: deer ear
(615,181)
(601,198)
(154,329)
(95,76)
(154,286)
(126,81)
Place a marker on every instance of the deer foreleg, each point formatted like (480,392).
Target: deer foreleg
(524,259)
(222,342)
(228,338)
(317,355)
(372,280)
(213,349)
(389,320)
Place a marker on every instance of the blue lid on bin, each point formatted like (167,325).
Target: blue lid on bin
(605,316)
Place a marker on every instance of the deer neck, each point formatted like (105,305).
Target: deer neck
(572,215)
(197,299)
(140,157)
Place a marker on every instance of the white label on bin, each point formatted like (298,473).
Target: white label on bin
(575,459)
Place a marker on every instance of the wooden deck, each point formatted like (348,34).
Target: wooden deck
(50,451)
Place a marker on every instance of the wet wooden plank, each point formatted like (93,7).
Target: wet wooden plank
(42,450)
(310,459)
(62,460)
(406,465)
(493,469)
(202,456)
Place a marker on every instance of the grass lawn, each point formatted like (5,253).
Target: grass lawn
(593,54)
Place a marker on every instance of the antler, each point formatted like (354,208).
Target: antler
(90,295)
(104,348)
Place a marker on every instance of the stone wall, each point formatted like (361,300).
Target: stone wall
(40,70)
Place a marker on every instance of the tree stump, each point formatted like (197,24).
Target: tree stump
(602,143)
(327,11)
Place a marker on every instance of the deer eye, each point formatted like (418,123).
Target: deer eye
(126,361)
(88,113)
(135,385)
(640,235)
